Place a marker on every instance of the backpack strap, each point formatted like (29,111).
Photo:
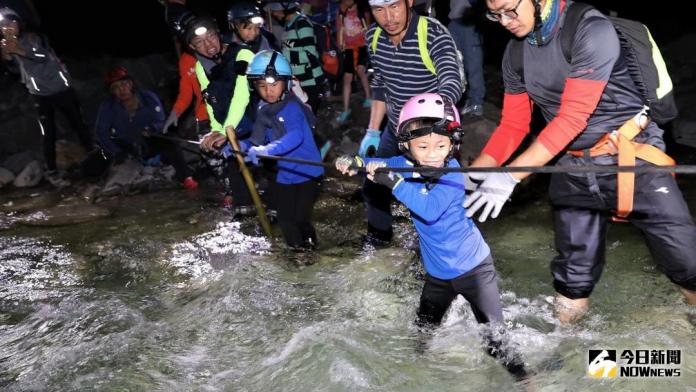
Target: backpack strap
(423,45)
(422,33)
(574,14)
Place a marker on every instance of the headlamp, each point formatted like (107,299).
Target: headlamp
(200,31)
(256,20)
(270,79)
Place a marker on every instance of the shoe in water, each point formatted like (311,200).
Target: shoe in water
(243,211)
(343,117)
(324,151)
(189,183)
(475,110)
(371,240)
(55,179)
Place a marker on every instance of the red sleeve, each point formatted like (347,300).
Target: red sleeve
(578,101)
(183,100)
(201,111)
(514,126)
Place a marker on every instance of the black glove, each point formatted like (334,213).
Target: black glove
(388,179)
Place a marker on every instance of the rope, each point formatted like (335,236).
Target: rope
(679,169)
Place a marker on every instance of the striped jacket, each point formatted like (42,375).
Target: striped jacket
(300,48)
(400,72)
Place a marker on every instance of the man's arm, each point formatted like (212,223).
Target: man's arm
(444,55)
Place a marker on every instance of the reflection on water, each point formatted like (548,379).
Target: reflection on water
(167,296)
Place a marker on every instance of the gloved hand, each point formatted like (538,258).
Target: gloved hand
(347,164)
(371,139)
(389,179)
(251,155)
(493,192)
(226,151)
(173,119)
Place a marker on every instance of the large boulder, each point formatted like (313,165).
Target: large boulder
(30,176)
(6,177)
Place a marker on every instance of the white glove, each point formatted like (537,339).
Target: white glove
(173,119)
(493,192)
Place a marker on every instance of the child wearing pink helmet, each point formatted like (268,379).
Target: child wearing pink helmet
(455,256)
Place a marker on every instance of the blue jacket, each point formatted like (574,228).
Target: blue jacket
(115,129)
(450,243)
(297,142)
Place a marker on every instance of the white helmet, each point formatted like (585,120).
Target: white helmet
(381,3)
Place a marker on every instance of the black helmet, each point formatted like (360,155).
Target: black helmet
(7,13)
(244,10)
(199,25)
(180,23)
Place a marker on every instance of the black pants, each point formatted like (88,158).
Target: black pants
(294,203)
(171,155)
(234,183)
(480,288)
(378,197)
(67,103)
(97,162)
(582,208)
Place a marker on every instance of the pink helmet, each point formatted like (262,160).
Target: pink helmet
(429,106)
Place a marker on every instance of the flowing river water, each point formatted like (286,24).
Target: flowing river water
(169,294)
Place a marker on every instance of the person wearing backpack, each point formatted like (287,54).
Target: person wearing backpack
(410,55)
(596,116)
(48,83)
(300,47)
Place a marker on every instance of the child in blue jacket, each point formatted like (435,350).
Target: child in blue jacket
(456,258)
(284,128)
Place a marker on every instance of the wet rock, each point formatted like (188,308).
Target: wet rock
(30,176)
(121,178)
(68,153)
(17,162)
(65,215)
(6,177)
(31,202)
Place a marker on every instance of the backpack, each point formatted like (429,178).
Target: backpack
(645,63)
(326,47)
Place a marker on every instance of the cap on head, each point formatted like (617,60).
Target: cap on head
(8,14)
(382,3)
(281,5)
(115,75)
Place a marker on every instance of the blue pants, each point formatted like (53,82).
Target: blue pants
(469,41)
(378,197)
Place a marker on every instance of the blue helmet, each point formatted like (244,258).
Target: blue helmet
(269,65)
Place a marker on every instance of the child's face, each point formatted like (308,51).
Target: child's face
(249,31)
(270,92)
(430,150)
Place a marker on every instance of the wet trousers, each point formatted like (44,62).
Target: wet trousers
(294,203)
(582,207)
(377,197)
(480,288)
(66,102)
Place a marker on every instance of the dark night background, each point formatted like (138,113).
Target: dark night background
(132,28)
